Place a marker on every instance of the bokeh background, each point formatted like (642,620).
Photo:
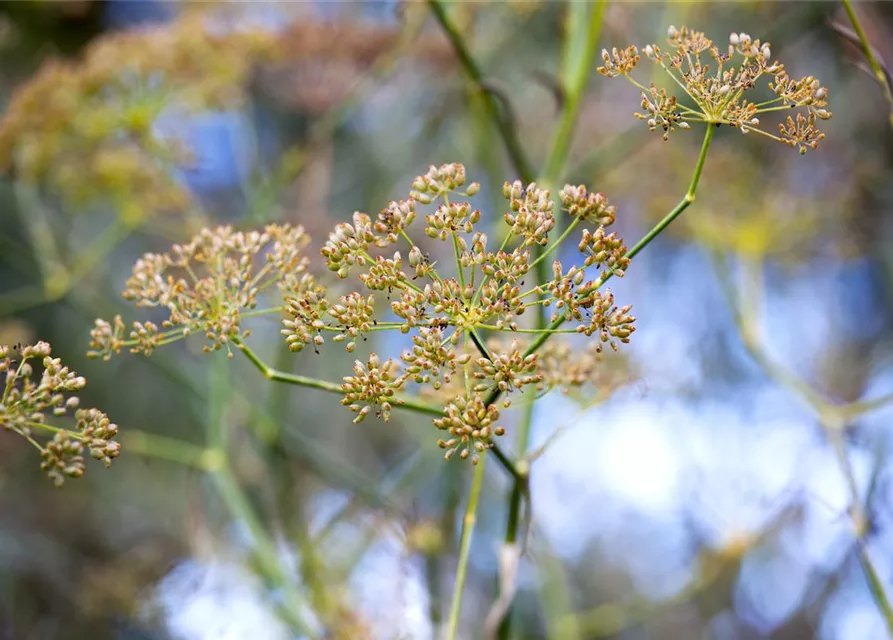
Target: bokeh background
(726,480)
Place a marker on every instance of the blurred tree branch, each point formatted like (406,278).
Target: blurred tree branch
(744,301)
(878,68)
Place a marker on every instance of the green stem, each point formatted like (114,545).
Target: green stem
(503,124)
(61,280)
(263,546)
(833,419)
(679,208)
(465,547)
(876,586)
(171,449)
(480,344)
(870,56)
(585,20)
(458,253)
(405,403)
(522,469)
(332,387)
(555,245)
(493,327)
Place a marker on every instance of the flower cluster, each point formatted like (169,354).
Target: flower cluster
(718,84)
(581,369)
(28,400)
(372,387)
(318,63)
(88,131)
(443,305)
(483,291)
(207,285)
(470,422)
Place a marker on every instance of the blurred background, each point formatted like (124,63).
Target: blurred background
(727,477)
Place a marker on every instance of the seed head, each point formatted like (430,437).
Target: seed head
(373,388)
(28,402)
(205,286)
(719,85)
(471,424)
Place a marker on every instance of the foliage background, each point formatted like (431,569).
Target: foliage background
(703,498)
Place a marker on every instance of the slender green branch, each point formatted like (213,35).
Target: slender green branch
(556,244)
(503,124)
(465,548)
(62,279)
(332,387)
(171,449)
(860,407)
(580,47)
(458,253)
(263,546)
(639,246)
(873,61)
(683,204)
(876,586)
(290,378)
(410,404)
(585,21)
(480,344)
(493,327)
(48,427)
(832,418)
(515,498)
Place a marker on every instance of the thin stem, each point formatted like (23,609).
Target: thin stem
(876,586)
(48,427)
(171,449)
(261,312)
(332,387)
(480,344)
(519,490)
(585,21)
(833,419)
(61,280)
(263,546)
(679,208)
(458,253)
(465,547)
(861,407)
(503,124)
(290,378)
(556,244)
(870,56)
(404,403)
(493,327)
(781,107)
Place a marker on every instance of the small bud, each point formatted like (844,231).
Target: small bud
(733,39)
(473,189)
(415,257)
(766,52)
